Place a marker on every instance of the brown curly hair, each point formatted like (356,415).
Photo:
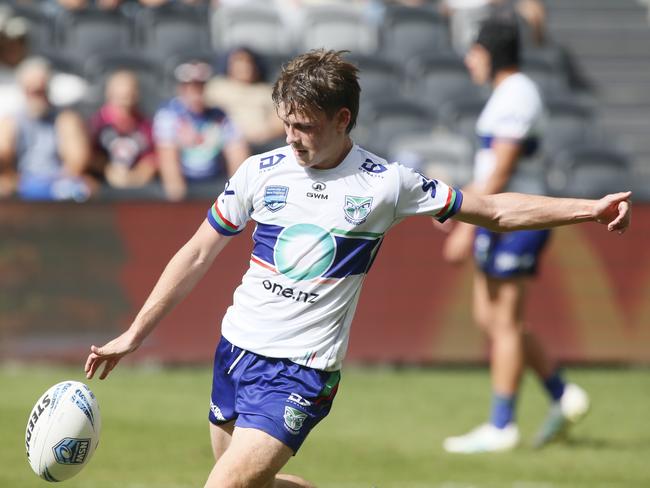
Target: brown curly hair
(319,80)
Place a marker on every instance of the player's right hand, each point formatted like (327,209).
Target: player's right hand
(110,354)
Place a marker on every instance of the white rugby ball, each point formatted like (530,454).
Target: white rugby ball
(62,431)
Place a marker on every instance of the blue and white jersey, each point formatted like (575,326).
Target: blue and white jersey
(514,112)
(317,234)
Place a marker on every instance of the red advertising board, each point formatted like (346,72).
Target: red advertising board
(72,275)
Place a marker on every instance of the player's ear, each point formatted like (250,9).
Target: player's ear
(343,118)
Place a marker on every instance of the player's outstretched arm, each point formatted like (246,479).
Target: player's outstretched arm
(181,274)
(516,211)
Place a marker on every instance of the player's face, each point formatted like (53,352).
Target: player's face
(317,140)
(478,63)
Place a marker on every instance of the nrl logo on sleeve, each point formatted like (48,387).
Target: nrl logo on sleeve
(275,197)
(357,209)
(293,419)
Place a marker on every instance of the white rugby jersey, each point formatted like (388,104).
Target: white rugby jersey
(514,112)
(317,234)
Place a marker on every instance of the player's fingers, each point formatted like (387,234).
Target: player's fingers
(622,220)
(108,367)
(89,360)
(94,363)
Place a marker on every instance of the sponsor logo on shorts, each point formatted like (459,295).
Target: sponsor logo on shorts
(293,419)
(298,400)
(357,209)
(216,411)
(71,451)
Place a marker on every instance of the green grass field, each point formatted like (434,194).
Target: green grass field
(385,431)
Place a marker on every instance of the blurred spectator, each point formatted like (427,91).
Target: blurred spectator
(194,143)
(82,4)
(122,135)
(158,3)
(44,152)
(65,88)
(245,96)
(13,49)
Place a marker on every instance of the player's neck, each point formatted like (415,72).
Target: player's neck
(501,76)
(338,156)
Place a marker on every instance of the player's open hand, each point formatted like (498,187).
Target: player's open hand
(110,354)
(615,210)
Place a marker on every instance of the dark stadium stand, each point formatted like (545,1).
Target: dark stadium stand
(172,29)
(378,76)
(439,78)
(387,118)
(588,171)
(258,27)
(596,89)
(338,26)
(415,31)
(86,33)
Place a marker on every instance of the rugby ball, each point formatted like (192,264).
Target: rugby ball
(62,431)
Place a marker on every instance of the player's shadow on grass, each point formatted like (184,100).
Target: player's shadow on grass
(604,443)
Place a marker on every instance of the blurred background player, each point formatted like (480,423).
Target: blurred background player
(509,130)
(122,135)
(195,143)
(44,151)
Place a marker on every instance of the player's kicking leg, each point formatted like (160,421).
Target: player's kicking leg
(249,458)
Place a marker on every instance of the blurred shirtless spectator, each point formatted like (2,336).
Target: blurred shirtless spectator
(122,135)
(44,151)
(194,143)
(242,92)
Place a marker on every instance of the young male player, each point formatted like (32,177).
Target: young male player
(322,206)
(509,129)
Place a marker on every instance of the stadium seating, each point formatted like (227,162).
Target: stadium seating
(569,123)
(437,154)
(41,26)
(340,26)
(460,116)
(84,33)
(415,31)
(256,26)
(588,171)
(440,78)
(381,121)
(378,76)
(172,30)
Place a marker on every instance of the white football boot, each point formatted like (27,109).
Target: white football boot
(485,438)
(572,406)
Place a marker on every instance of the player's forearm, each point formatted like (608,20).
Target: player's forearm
(516,211)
